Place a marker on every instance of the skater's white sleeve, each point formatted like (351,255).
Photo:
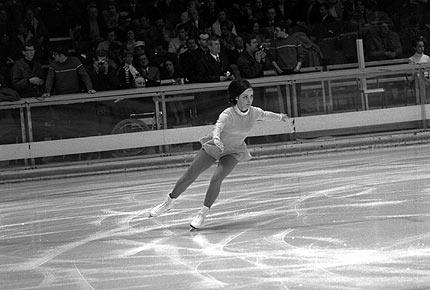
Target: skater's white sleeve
(219,126)
(267,115)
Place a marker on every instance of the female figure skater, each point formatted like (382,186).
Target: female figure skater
(225,144)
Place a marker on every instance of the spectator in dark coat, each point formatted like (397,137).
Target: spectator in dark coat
(103,75)
(252,61)
(213,67)
(27,74)
(151,74)
(187,59)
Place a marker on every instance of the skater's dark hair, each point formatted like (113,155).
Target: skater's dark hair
(235,88)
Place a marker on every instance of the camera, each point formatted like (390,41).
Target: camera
(262,48)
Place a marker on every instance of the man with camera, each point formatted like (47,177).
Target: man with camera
(102,74)
(252,61)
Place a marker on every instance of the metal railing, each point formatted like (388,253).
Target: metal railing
(278,92)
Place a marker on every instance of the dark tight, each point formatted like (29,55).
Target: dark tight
(201,162)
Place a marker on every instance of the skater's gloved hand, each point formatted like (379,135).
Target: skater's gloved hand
(218,143)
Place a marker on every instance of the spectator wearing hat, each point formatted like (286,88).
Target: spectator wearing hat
(139,48)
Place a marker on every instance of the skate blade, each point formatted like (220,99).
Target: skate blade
(193,229)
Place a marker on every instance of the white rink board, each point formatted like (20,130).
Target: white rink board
(193,134)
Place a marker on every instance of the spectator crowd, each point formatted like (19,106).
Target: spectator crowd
(56,47)
(59,47)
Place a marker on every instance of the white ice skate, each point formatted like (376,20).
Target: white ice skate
(162,207)
(199,219)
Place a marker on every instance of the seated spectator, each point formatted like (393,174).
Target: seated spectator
(22,36)
(183,20)
(169,70)
(209,11)
(56,19)
(130,41)
(212,67)
(93,29)
(124,26)
(111,16)
(157,34)
(410,31)
(65,73)
(139,48)
(383,43)
(177,45)
(419,56)
(325,16)
(110,38)
(38,29)
(187,59)
(127,74)
(9,119)
(103,76)
(177,108)
(7,94)
(258,11)
(196,24)
(151,74)
(234,54)
(227,36)
(286,52)
(27,74)
(267,26)
(256,31)
(222,18)
(244,16)
(115,55)
(252,60)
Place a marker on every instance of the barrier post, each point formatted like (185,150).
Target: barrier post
(361,65)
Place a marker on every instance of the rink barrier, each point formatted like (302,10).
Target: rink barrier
(29,150)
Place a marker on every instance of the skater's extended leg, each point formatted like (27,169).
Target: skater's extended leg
(225,166)
(201,162)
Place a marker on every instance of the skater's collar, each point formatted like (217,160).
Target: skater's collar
(240,112)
